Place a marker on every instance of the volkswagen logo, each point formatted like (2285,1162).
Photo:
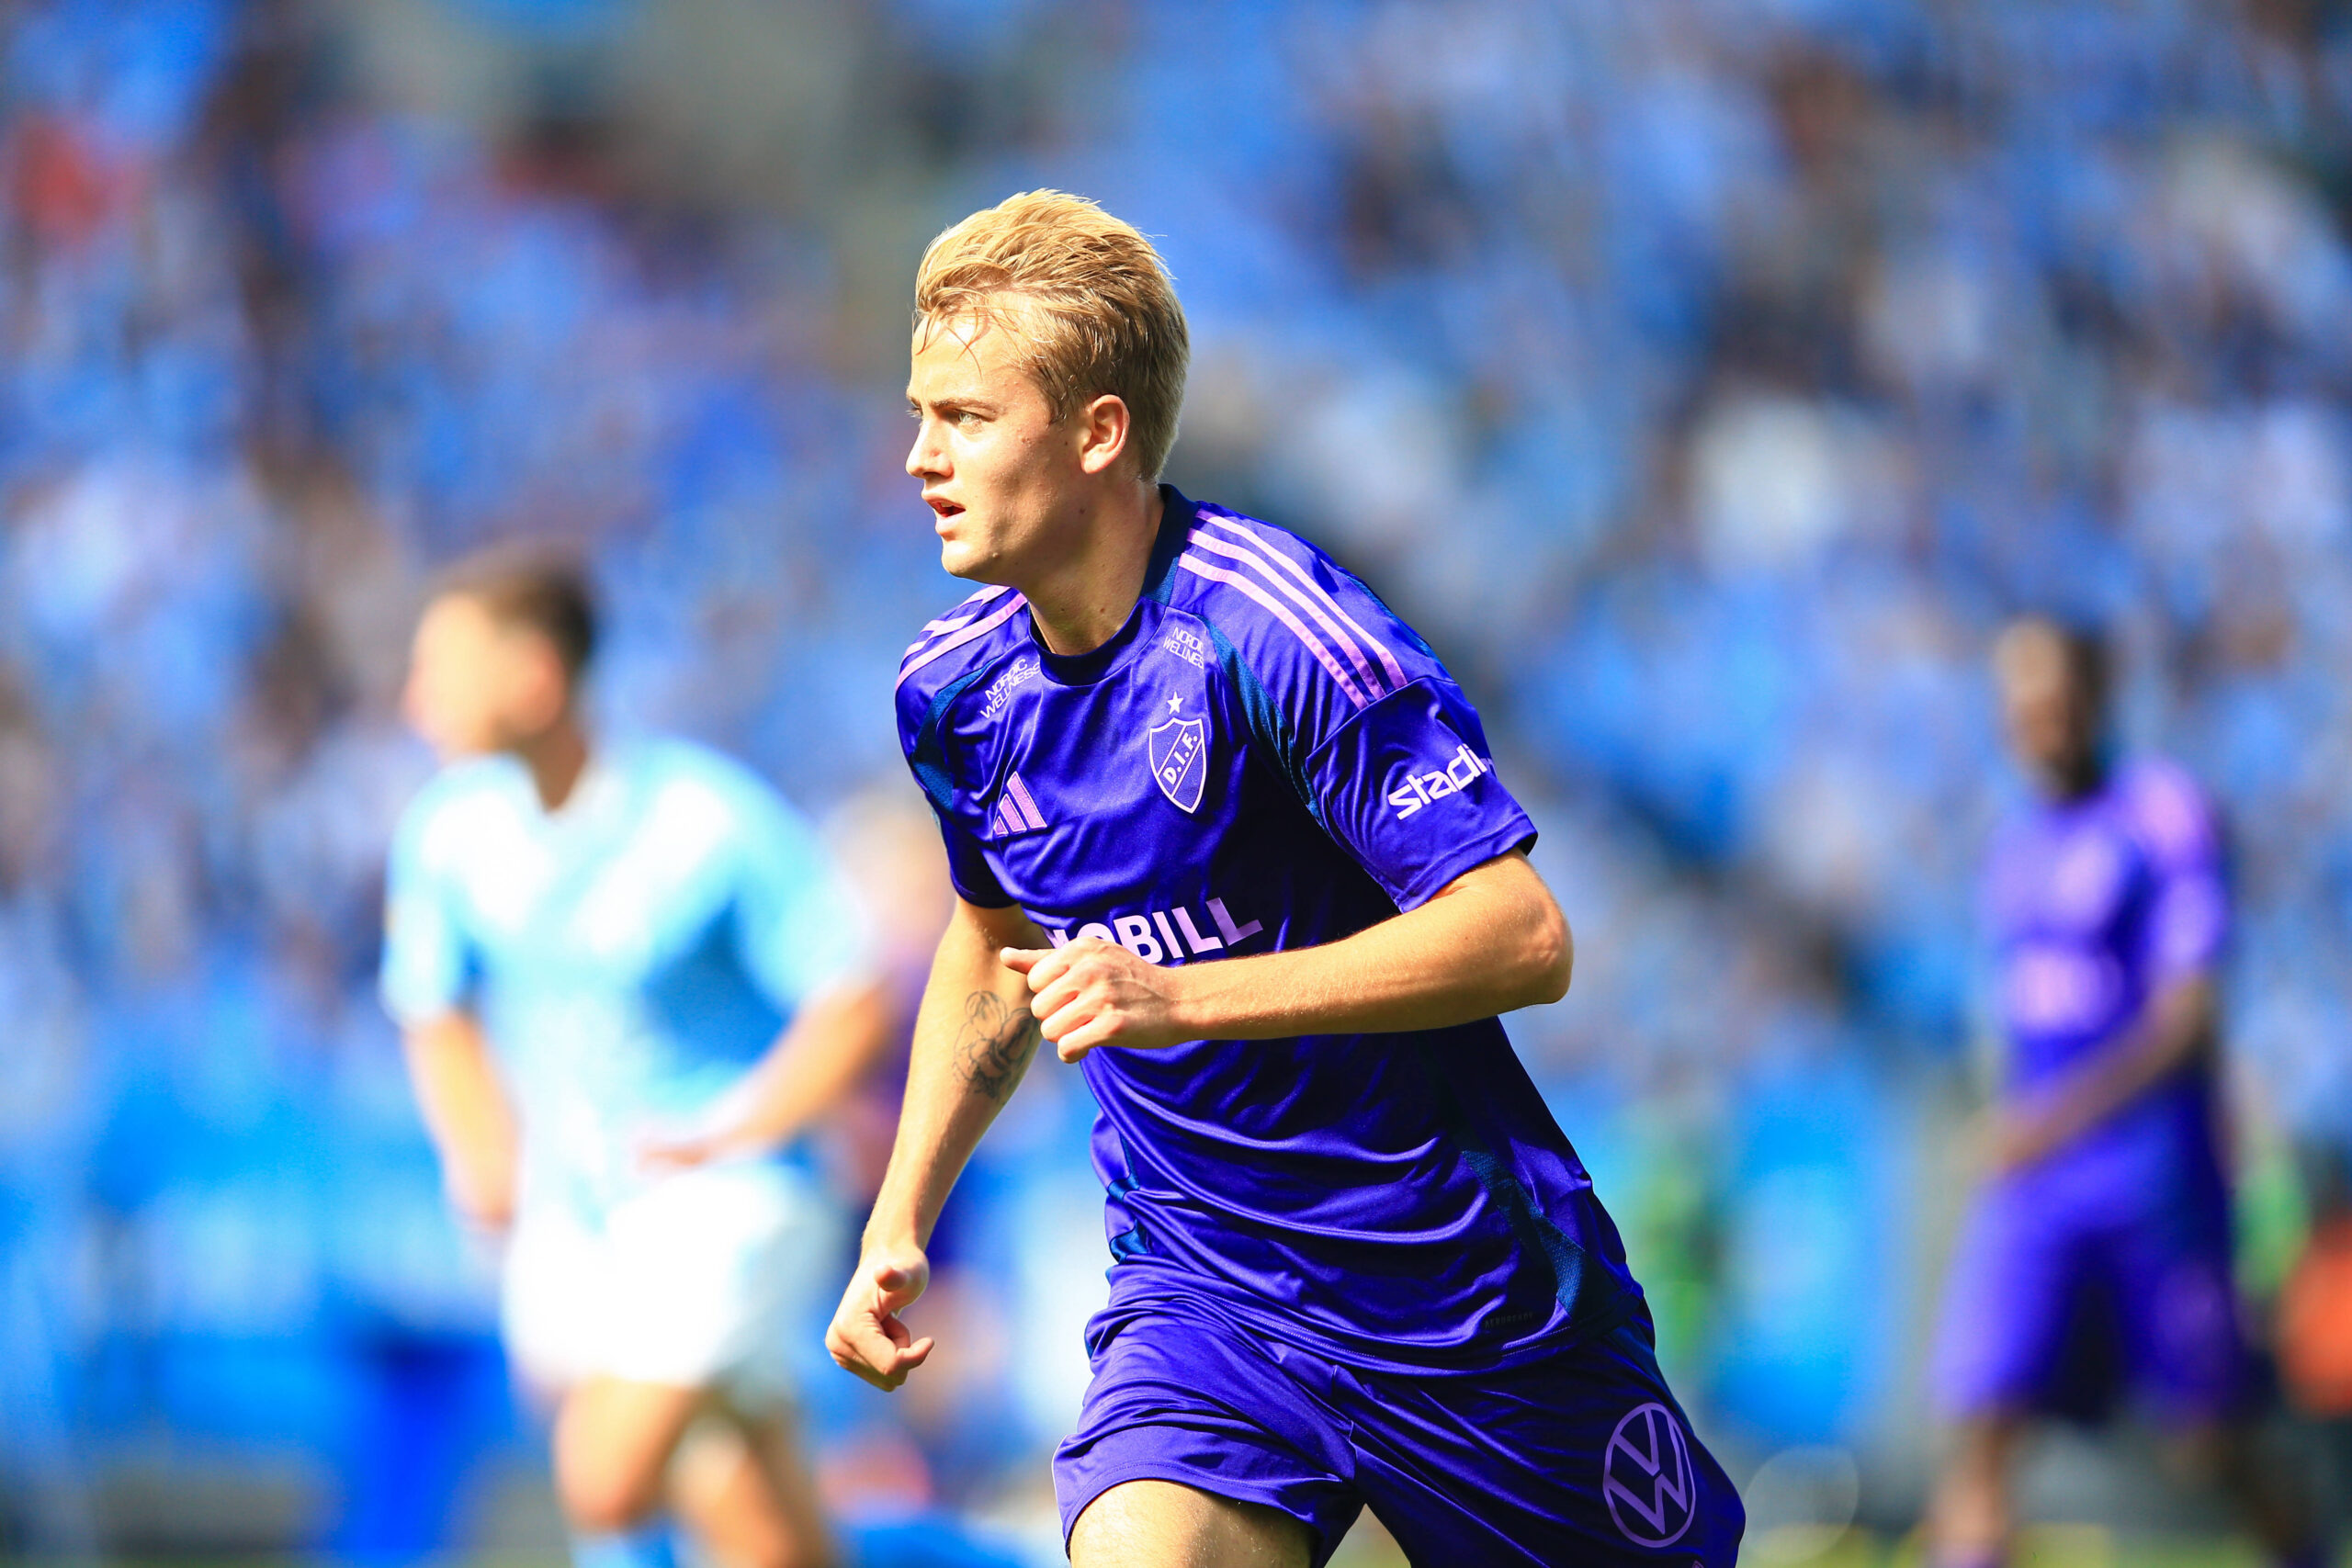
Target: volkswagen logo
(1645,1476)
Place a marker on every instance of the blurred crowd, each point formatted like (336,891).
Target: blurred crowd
(1705,378)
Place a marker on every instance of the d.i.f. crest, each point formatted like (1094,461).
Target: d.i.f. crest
(1180,761)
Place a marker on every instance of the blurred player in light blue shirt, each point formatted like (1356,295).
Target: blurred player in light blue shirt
(628,978)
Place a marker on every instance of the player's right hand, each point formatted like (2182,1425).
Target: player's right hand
(867,1337)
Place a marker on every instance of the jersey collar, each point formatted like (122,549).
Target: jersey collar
(1177,518)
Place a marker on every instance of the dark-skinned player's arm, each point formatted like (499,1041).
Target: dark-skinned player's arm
(973,1038)
(467,1114)
(2173,1029)
(1492,939)
(837,1037)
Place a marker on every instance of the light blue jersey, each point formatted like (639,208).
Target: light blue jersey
(630,955)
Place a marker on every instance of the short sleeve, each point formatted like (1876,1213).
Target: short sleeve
(800,925)
(1408,788)
(2188,910)
(927,689)
(430,966)
(967,868)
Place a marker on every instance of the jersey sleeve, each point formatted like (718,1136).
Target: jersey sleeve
(921,703)
(430,964)
(1408,788)
(967,868)
(800,927)
(2189,907)
(1377,740)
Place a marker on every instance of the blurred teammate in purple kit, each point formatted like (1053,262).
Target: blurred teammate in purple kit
(2104,1230)
(1223,830)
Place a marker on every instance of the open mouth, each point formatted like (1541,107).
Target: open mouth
(945,509)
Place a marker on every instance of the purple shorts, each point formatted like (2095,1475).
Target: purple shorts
(2060,1301)
(1582,1457)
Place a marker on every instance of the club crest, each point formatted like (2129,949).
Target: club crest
(1180,761)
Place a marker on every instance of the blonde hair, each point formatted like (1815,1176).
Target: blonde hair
(1102,318)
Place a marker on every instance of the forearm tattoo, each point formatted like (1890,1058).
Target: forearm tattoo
(994,1044)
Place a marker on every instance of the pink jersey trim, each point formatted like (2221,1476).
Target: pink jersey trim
(1281,612)
(1387,662)
(1347,644)
(978,628)
(954,618)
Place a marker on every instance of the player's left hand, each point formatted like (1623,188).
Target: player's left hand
(2010,1140)
(657,1156)
(1097,993)
(664,1147)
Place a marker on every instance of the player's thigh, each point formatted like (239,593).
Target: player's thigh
(717,1272)
(1581,1456)
(613,1438)
(2011,1291)
(2184,1337)
(555,1298)
(742,1485)
(1161,1524)
(1204,1408)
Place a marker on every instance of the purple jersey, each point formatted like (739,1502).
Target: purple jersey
(2106,1265)
(2093,905)
(1264,757)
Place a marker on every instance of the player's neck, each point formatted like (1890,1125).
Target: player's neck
(2076,781)
(556,758)
(1082,601)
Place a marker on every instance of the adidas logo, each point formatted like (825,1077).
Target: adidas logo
(1017,810)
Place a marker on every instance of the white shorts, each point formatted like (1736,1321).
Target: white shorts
(702,1280)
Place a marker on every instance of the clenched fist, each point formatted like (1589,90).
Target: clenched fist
(867,1337)
(1097,993)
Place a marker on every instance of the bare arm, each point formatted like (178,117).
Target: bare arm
(973,1038)
(1492,939)
(836,1038)
(2175,1027)
(467,1114)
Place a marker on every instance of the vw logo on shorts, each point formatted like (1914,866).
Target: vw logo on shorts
(1645,1476)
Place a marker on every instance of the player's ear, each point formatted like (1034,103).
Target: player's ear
(1102,429)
